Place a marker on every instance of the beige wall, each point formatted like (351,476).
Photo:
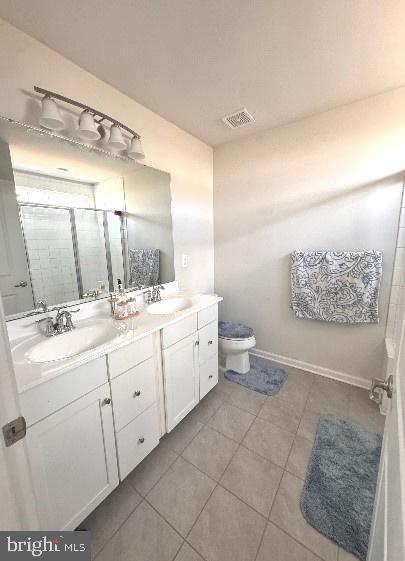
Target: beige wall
(332,181)
(25,62)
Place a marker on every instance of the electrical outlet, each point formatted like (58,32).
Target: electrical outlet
(184,260)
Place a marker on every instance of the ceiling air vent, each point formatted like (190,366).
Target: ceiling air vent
(238,119)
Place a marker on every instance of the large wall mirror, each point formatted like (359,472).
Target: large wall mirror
(73,222)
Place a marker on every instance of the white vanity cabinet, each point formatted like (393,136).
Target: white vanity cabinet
(89,426)
(133,373)
(190,362)
(72,451)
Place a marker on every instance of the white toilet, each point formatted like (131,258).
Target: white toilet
(235,341)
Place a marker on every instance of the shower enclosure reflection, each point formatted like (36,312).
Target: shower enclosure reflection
(71,245)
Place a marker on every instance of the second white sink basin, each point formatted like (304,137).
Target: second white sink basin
(81,339)
(169,305)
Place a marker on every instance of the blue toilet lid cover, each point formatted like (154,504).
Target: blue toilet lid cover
(232,330)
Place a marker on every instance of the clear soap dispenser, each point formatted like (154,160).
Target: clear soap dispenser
(121,308)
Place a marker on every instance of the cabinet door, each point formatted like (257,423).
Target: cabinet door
(180,363)
(73,460)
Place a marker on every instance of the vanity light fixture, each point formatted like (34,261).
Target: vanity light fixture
(91,124)
(50,117)
(116,139)
(87,127)
(135,151)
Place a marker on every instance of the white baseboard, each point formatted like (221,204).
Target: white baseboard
(315,369)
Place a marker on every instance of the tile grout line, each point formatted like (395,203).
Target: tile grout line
(298,428)
(286,471)
(216,484)
(300,543)
(205,504)
(275,494)
(160,477)
(171,465)
(256,416)
(119,528)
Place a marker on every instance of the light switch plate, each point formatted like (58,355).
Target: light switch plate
(184,260)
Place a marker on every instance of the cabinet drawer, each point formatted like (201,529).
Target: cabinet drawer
(137,440)
(207,315)
(133,392)
(40,401)
(179,330)
(208,338)
(123,359)
(208,375)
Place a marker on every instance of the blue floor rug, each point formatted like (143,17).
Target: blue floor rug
(338,495)
(263,376)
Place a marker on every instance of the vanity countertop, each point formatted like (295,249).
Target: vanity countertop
(29,374)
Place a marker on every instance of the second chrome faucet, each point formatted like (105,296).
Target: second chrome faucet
(62,323)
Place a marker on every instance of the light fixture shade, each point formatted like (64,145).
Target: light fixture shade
(87,127)
(116,140)
(50,118)
(135,150)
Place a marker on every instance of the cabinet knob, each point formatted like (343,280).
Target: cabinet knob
(197,343)
(137,393)
(210,376)
(141,440)
(210,342)
(107,401)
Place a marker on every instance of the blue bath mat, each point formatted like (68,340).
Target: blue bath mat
(338,495)
(263,376)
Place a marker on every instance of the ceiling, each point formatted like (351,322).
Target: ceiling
(193,61)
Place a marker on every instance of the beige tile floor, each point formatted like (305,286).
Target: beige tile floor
(225,484)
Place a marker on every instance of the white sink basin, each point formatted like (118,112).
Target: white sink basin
(83,338)
(169,305)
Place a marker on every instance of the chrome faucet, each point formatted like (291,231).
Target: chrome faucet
(46,326)
(155,295)
(41,306)
(64,321)
(61,324)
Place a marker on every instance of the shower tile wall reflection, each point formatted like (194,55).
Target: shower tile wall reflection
(50,250)
(67,247)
